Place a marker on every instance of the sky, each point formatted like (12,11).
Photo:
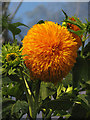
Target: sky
(30,13)
(27,8)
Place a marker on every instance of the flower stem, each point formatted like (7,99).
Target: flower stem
(28,93)
(82,48)
(30,98)
(14,37)
(36,98)
(83,42)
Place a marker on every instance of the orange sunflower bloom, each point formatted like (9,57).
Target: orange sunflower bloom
(51,51)
(75,28)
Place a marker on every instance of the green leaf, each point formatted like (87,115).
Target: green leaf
(6,89)
(14,77)
(46,89)
(69,89)
(6,80)
(14,29)
(78,21)
(13,89)
(40,22)
(17,24)
(16,91)
(73,22)
(66,16)
(80,71)
(63,103)
(88,82)
(79,32)
(6,107)
(11,71)
(83,97)
(87,48)
(7,101)
(60,113)
(67,80)
(19,109)
(79,112)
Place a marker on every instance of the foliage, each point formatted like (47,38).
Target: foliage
(69,99)
(11,27)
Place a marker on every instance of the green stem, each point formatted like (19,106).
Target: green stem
(82,51)
(15,40)
(29,92)
(37,90)
(30,99)
(14,37)
(83,42)
(37,97)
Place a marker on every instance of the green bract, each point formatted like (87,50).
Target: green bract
(11,57)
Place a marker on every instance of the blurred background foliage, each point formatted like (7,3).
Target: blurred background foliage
(68,100)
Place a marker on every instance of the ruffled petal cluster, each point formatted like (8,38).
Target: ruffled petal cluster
(50,51)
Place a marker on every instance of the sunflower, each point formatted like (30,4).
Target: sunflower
(50,51)
(75,28)
(12,57)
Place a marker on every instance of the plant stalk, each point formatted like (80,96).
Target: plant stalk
(83,42)
(29,96)
(36,98)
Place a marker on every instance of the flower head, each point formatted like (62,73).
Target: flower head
(50,51)
(75,28)
(12,57)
